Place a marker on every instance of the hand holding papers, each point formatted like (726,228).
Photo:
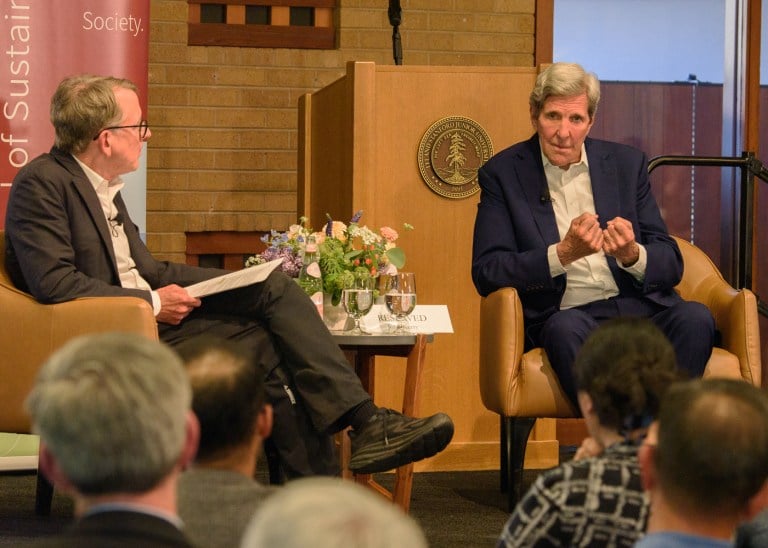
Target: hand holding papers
(233,280)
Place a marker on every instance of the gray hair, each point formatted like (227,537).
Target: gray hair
(565,80)
(327,513)
(82,106)
(112,409)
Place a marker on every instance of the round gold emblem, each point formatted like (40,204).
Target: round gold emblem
(450,153)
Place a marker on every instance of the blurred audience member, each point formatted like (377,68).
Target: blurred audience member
(218,495)
(116,430)
(705,464)
(330,513)
(597,499)
(754,533)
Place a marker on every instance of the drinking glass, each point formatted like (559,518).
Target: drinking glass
(400,297)
(358,300)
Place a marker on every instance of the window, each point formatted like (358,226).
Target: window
(304,24)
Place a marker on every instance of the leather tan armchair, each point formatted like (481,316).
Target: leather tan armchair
(31,332)
(521,386)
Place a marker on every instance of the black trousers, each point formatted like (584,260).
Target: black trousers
(293,347)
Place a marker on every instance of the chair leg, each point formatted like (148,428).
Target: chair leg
(43,495)
(514,437)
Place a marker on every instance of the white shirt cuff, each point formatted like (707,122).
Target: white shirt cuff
(156,305)
(637,270)
(556,268)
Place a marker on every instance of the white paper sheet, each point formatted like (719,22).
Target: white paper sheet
(233,280)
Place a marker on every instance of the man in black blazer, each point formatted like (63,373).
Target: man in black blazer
(113,412)
(571,223)
(69,235)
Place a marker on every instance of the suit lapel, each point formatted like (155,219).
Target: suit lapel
(602,172)
(90,199)
(605,192)
(534,185)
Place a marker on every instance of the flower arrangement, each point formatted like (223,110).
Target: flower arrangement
(346,251)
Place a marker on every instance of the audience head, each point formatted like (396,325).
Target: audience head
(82,106)
(113,412)
(564,80)
(326,512)
(711,454)
(227,394)
(623,368)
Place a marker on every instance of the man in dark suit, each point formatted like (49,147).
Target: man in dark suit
(116,430)
(69,235)
(570,222)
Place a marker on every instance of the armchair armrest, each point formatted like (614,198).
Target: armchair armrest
(97,314)
(735,313)
(34,331)
(501,346)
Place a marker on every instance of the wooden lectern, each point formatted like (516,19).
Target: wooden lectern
(359,143)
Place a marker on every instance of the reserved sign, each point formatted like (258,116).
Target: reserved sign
(425,318)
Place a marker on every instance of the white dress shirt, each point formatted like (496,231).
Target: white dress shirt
(589,279)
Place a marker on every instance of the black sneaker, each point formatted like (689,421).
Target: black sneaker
(390,439)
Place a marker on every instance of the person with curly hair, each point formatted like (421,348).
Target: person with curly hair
(597,499)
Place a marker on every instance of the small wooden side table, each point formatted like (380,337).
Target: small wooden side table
(361,351)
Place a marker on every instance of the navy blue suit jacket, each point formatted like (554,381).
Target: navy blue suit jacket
(515,225)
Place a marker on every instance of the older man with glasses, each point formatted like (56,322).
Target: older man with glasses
(69,235)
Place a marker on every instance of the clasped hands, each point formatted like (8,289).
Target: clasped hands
(585,237)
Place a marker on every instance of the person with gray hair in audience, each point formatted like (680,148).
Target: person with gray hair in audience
(331,513)
(116,430)
(218,493)
(597,499)
(705,464)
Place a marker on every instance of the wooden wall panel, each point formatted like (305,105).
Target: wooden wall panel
(672,119)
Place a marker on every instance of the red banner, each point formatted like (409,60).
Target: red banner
(43,41)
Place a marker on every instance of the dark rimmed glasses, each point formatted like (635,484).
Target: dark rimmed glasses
(143,129)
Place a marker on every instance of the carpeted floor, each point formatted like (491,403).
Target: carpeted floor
(455,509)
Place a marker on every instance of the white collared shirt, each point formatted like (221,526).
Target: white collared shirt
(126,267)
(589,279)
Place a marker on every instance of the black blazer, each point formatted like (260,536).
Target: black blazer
(515,224)
(57,241)
(118,529)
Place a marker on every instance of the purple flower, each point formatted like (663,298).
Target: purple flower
(291,262)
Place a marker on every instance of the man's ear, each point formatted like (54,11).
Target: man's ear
(264,421)
(191,441)
(102,141)
(646,454)
(49,467)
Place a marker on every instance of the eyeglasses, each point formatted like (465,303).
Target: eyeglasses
(143,129)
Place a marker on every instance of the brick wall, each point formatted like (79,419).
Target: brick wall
(224,119)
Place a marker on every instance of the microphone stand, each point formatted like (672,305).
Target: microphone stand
(395,17)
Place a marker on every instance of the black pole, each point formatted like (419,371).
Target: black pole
(395,17)
(750,167)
